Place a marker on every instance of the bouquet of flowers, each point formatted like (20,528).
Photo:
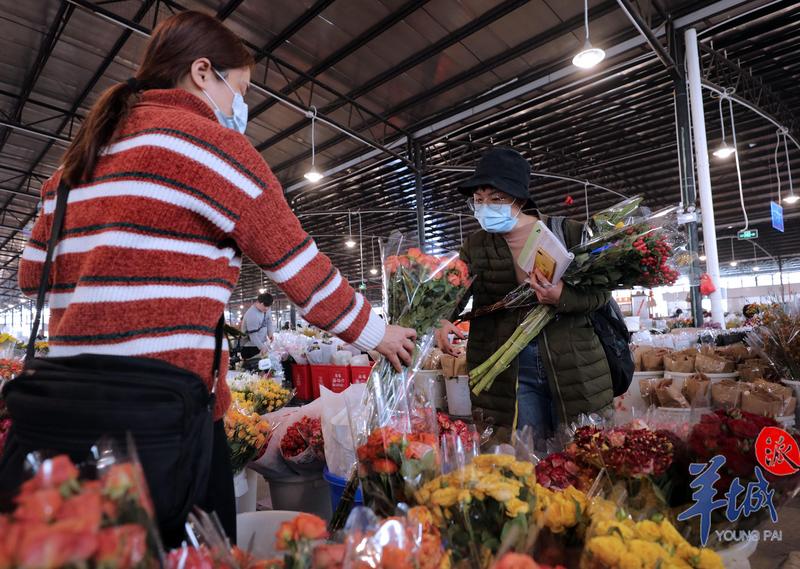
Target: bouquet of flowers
(468,435)
(10,368)
(211,549)
(622,542)
(394,429)
(248,435)
(258,394)
(634,251)
(302,446)
(777,340)
(559,470)
(474,507)
(64,520)
(392,464)
(404,542)
(296,538)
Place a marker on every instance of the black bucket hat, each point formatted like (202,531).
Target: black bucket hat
(504,169)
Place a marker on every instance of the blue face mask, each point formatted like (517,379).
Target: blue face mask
(239,119)
(495,218)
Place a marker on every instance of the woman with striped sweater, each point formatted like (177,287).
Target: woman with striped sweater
(166,196)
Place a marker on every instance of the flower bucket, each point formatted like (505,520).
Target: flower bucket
(338,485)
(301,378)
(360,374)
(459,403)
(338,378)
(320,375)
(303,493)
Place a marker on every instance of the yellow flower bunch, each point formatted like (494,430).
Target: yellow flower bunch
(478,501)
(626,544)
(6,337)
(248,435)
(561,510)
(261,397)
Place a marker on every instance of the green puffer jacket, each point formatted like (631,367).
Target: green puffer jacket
(576,365)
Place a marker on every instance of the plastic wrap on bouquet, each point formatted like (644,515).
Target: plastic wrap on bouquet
(97,514)
(395,426)
(409,540)
(248,435)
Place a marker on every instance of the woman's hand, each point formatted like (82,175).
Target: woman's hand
(442,337)
(397,345)
(546,292)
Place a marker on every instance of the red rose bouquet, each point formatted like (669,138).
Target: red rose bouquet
(302,445)
(64,520)
(559,470)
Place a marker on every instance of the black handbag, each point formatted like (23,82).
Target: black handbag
(65,404)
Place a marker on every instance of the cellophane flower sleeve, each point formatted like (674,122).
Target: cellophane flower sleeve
(97,514)
(395,427)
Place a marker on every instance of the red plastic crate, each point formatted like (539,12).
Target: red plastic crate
(360,374)
(338,378)
(301,377)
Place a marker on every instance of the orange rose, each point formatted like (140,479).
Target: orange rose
(393,557)
(516,561)
(39,506)
(52,474)
(309,526)
(454,280)
(122,546)
(82,512)
(430,553)
(417,450)
(284,536)
(384,466)
(328,556)
(44,547)
(416,253)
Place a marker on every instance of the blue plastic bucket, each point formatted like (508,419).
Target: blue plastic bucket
(337,485)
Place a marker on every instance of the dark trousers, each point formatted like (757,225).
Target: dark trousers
(220,497)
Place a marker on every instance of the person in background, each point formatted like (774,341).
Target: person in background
(563,372)
(678,313)
(166,195)
(257,326)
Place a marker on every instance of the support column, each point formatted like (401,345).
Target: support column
(419,164)
(686,171)
(703,172)
(292,316)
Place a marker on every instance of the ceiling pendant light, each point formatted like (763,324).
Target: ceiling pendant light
(723,151)
(373,271)
(313,175)
(734,262)
(589,56)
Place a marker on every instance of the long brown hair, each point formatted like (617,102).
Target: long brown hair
(176,43)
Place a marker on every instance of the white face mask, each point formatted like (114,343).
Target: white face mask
(236,122)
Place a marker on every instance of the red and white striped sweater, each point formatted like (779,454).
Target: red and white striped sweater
(152,244)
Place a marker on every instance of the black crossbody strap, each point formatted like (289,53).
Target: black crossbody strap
(62,192)
(55,233)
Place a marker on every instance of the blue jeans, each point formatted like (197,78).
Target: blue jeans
(535,404)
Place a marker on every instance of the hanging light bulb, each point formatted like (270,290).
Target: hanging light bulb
(313,175)
(734,264)
(724,150)
(589,56)
(262,290)
(373,271)
(756,268)
(241,306)
(702,258)
(350,243)
(791,199)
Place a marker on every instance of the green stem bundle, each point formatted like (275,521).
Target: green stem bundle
(483,376)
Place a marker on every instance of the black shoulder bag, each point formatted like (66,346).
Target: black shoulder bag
(65,404)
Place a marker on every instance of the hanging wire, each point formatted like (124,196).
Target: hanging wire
(586,17)
(788,163)
(313,136)
(721,119)
(361,247)
(777,166)
(586,200)
(727,96)
(460,229)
